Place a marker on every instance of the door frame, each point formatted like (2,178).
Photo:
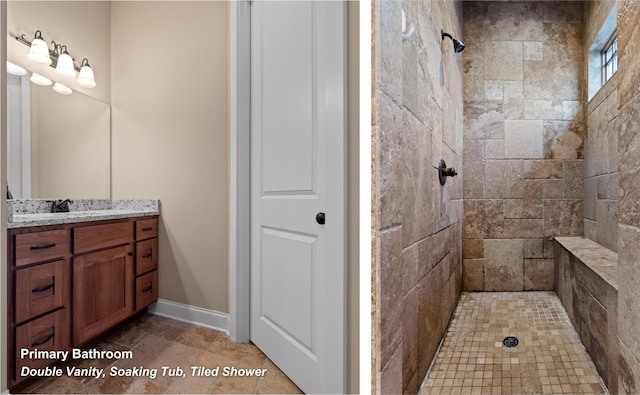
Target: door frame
(240,170)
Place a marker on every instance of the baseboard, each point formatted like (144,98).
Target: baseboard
(191,314)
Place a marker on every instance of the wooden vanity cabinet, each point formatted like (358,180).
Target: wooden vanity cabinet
(38,295)
(68,284)
(146,262)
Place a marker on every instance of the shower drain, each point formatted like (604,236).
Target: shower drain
(510,341)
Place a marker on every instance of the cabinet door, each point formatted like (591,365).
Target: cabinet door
(102,291)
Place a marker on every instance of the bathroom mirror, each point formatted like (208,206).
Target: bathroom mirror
(59,146)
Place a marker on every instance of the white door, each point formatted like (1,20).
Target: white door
(298,171)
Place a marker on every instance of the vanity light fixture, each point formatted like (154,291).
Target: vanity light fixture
(39,51)
(65,64)
(40,80)
(62,89)
(14,69)
(85,78)
(59,59)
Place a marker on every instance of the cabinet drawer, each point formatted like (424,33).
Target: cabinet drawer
(146,289)
(48,333)
(41,246)
(90,238)
(40,289)
(146,256)
(146,228)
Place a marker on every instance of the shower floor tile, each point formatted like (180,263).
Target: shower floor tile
(549,359)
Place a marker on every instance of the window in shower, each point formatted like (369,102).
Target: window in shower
(610,58)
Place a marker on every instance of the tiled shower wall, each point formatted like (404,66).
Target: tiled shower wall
(601,145)
(629,195)
(523,140)
(416,121)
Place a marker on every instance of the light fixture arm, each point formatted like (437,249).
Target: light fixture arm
(58,49)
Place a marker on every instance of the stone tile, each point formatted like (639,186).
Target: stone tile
(542,110)
(198,337)
(440,245)
(629,53)
(523,139)
(553,188)
(570,110)
(563,42)
(563,218)
(590,194)
(503,179)
(410,262)
(390,49)
(493,90)
(390,292)
(425,252)
(543,169)
(473,87)
(503,60)
(430,321)
(538,275)
(532,208)
(590,229)
(563,140)
(503,261)
(391,163)
(410,82)
(410,337)
(483,218)
(512,22)
(472,248)
(473,275)
(551,81)
(565,12)
(513,100)
(533,50)
(628,163)
(513,208)
(573,179)
(493,149)
(533,248)
(607,223)
(473,159)
(523,227)
(416,183)
(483,120)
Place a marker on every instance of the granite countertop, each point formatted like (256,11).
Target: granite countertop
(35,212)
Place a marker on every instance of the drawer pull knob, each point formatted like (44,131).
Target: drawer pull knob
(130,253)
(44,341)
(147,289)
(147,229)
(149,255)
(43,246)
(41,289)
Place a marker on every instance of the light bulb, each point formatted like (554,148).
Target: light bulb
(39,51)
(40,80)
(62,89)
(14,69)
(65,65)
(86,78)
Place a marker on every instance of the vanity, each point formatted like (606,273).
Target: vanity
(74,276)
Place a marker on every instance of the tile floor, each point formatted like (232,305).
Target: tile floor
(549,359)
(157,341)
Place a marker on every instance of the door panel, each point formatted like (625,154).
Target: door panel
(298,167)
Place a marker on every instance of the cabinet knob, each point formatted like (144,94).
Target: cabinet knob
(130,253)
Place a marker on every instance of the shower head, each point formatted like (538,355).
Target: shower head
(458,46)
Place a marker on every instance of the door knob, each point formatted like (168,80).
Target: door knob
(320,218)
